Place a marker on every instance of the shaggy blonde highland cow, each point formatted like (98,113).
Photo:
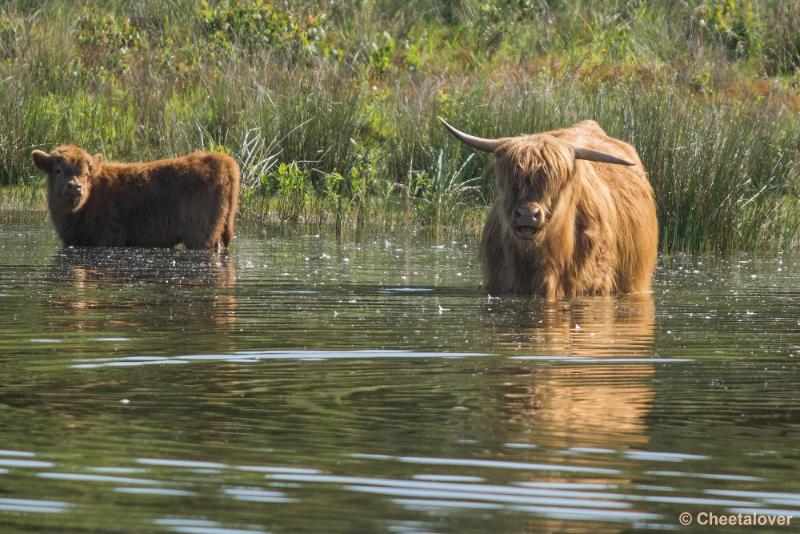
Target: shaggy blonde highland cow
(573,215)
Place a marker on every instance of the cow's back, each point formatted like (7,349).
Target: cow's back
(637,231)
(179,200)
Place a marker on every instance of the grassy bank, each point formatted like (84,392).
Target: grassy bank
(330,109)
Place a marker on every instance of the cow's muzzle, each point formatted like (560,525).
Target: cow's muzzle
(73,189)
(527,222)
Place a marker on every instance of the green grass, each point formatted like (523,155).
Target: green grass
(330,108)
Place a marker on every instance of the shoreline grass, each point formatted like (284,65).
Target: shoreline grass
(330,108)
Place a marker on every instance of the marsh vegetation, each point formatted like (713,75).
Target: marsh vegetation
(330,107)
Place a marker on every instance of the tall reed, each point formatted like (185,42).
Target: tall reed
(330,108)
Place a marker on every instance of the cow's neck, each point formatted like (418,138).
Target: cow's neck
(68,223)
(558,244)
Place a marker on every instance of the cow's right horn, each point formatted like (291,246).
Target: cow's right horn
(479,143)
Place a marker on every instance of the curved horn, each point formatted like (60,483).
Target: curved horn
(602,157)
(479,143)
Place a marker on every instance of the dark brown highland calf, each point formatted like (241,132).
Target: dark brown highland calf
(191,199)
(573,215)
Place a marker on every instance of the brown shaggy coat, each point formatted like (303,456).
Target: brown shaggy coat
(562,226)
(191,199)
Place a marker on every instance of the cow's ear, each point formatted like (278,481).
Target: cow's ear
(95,161)
(42,160)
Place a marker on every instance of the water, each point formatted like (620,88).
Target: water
(305,384)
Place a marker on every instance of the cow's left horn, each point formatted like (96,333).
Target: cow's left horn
(479,143)
(602,157)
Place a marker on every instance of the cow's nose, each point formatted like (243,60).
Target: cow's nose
(528,217)
(73,187)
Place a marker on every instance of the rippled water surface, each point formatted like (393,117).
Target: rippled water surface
(309,384)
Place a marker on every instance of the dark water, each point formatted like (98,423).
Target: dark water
(305,384)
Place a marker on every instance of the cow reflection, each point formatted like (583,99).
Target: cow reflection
(606,399)
(575,402)
(593,326)
(108,288)
(581,390)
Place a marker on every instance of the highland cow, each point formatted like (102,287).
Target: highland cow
(191,199)
(573,215)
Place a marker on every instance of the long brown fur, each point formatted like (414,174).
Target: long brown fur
(190,199)
(601,230)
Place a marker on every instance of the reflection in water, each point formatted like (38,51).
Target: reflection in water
(197,285)
(609,400)
(370,386)
(593,409)
(556,398)
(592,326)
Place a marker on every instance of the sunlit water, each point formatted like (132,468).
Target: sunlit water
(309,384)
